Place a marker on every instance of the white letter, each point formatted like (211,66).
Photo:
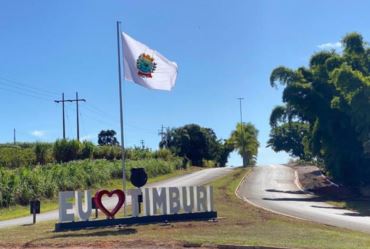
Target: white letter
(83,215)
(135,201)
(201,199)
(210,198)
(188,199)
(174,196)
(146,199)
(64,206)
(159,200)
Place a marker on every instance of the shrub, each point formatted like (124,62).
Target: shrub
(21,185)
(66,150)
(14,156)
(87,150)
(43,153)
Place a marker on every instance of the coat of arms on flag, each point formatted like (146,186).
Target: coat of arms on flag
(146,65)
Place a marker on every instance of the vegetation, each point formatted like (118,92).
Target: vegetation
(197,144)
(40,170)
(31,155)
(326,113)
(19,186)
(107,137)
(244,140)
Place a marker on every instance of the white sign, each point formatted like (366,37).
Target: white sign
(162,200)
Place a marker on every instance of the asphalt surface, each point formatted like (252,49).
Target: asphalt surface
(194,179)
(273,188)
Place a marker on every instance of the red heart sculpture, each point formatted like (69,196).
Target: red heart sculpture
(98,201)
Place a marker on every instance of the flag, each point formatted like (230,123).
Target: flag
(147,67)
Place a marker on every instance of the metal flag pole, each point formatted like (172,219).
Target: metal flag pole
(121,109)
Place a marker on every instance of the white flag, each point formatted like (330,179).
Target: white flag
(147,67)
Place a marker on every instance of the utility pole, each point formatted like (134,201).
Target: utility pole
(64,122)
(242,130)
(77,112)
(162,133)
(78,118)
(142,144)
(14,137)
(240,108)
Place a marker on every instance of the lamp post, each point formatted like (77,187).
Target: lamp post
(242,132)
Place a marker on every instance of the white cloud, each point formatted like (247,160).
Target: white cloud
(38,133)
(330,45)
(88,137)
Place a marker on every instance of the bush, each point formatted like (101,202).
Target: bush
(66,150)
(107,152)
(15,156)
(21,185)
(43,153)
(87,150)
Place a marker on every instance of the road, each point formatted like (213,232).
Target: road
(197,178)
(273,188)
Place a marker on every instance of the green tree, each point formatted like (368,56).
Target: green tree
(224,150)
(332,97)
(192,142)
(290,137)
(107,137)
(244,140)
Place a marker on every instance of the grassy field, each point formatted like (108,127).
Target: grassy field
(239,224)
(48,205)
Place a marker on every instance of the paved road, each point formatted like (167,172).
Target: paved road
(197,178)
(273,188)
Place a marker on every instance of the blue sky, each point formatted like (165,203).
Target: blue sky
(224,49)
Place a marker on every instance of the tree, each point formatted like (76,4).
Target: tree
(332,99)
(194,143)
(224,150)
(290,137)
(244,140)
(107,137)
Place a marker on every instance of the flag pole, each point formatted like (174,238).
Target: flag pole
(121,109)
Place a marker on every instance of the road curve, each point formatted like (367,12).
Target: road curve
(197,178)
(273,188)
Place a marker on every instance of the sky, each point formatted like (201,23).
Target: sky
(225,50)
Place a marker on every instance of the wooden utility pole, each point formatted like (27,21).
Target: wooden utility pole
(162,133)
(63,115)
(78,118)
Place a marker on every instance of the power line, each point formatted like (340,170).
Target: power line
(25,89)
(28,86)
(25,94)
(77,100)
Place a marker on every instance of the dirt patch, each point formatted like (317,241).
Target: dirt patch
(111,244)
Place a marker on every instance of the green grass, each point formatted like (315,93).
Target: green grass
(239,224)
(49,205)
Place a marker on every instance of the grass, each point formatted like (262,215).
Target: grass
(49,205)
(239,223)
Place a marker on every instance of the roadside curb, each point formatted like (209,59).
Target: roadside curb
(297,182)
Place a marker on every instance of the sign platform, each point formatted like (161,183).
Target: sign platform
(77,225)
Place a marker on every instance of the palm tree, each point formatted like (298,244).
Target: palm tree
(244,140)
